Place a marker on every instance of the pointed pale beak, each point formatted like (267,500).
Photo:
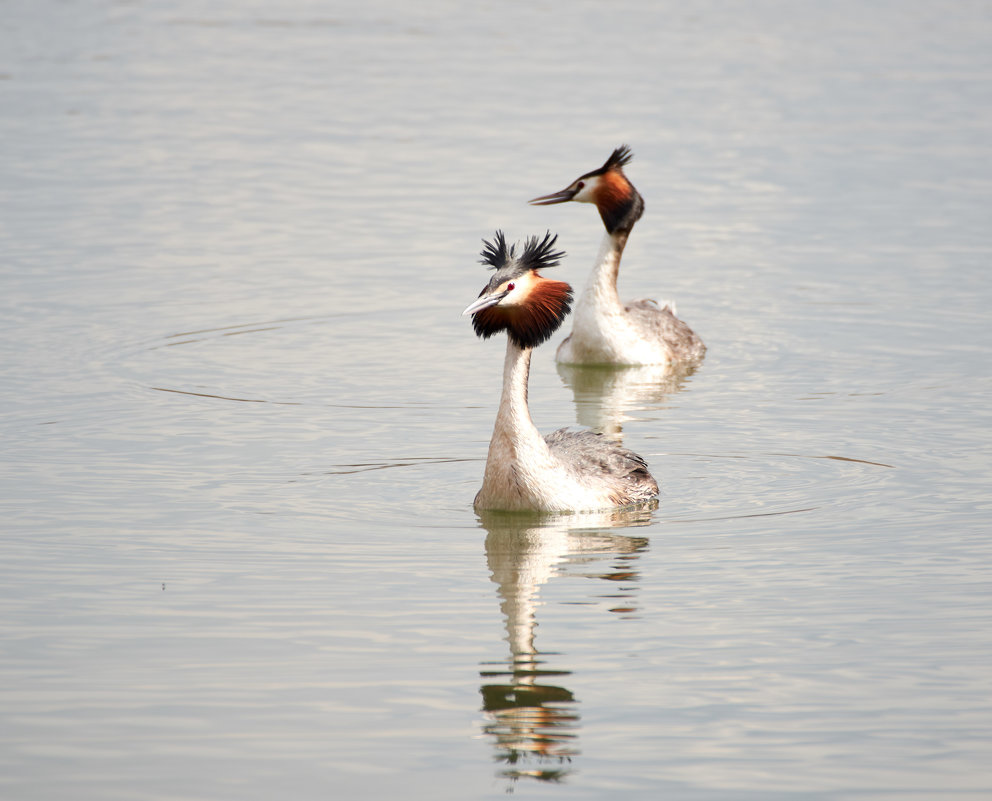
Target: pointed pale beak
(483,303)
(557,197)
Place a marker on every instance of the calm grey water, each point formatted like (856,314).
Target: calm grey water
(243,422)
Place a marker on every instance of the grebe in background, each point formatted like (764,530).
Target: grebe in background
(567,470)
(605,331)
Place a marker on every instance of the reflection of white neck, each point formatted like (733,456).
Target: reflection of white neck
(523,556)
(607,399)
(520,564)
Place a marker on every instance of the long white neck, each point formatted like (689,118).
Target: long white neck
(513,421)
(600,295)
(517,450)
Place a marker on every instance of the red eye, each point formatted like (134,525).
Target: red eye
(509,287)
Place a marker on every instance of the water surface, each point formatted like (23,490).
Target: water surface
(243,421)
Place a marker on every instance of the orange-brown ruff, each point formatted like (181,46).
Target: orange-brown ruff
(604,330)
(567,470)
(613,197)
(547,302)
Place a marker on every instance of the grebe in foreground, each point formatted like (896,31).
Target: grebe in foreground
(604,331)
(566,470)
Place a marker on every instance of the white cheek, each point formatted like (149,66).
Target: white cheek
(521,289)
(515,297)
(585,194)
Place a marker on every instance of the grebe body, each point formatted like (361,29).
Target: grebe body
(604,330)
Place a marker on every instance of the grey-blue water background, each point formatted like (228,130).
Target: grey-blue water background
(243,420)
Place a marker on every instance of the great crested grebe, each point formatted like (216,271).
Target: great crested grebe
(566,470)
(605,331)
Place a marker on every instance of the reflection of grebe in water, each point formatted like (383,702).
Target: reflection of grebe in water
(566,470)
(607,397)
(532,718)
(604,330)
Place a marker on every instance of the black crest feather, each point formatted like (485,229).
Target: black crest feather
(549,302)
(619,158)
(495,254)
(540,254)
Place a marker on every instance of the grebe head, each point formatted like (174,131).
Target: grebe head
(619,204)
(518,299)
